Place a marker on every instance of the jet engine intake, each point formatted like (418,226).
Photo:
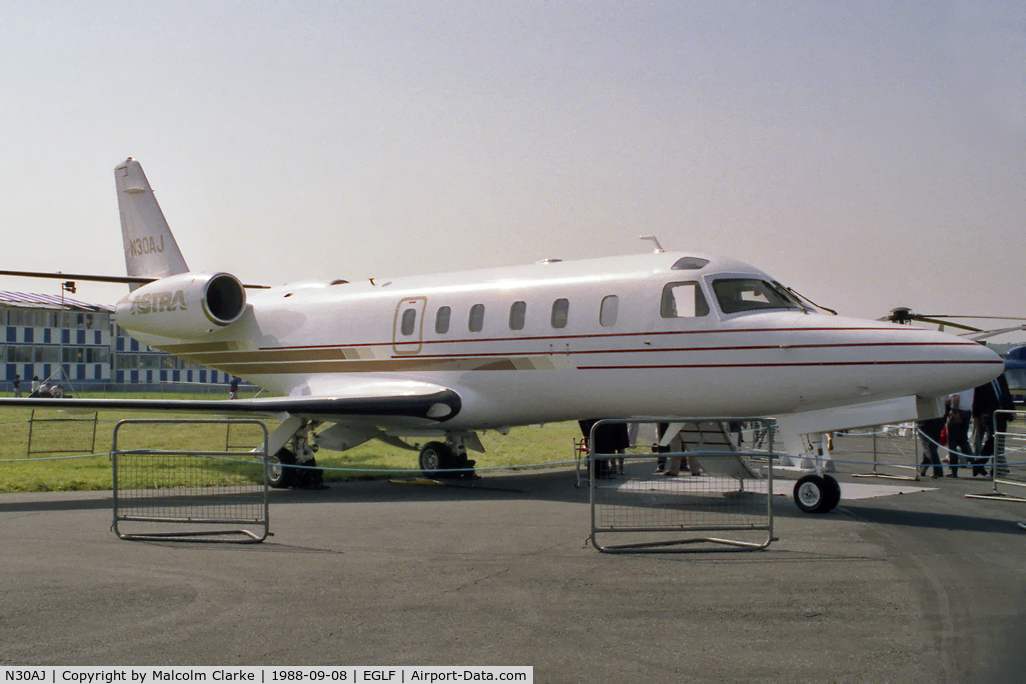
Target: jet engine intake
(184,306)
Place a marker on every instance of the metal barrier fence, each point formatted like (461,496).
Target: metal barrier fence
(54,433)
(894,451)
(681,512)
(158,491)
(1008,462)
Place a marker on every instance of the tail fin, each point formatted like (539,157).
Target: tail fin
(150,248)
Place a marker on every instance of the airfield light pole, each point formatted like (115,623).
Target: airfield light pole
(66,286)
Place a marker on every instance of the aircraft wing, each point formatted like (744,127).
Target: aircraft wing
(394,402)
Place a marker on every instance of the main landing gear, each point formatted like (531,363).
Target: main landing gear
(446,460)
(300,451)
(816,493)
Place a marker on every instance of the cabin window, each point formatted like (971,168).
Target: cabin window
(517,315)
(409,322)
(476,318)
(748,294)
(683,300)
(442,320)
(560,313)
(608,311)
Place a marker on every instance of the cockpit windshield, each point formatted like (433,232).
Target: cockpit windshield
(750,294)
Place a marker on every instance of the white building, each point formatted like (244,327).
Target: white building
(45,332)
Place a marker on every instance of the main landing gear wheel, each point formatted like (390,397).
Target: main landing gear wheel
(434,458)
(278,475)
(309,477)
(817,493)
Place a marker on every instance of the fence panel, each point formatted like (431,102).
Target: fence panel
(52,432)
(165,493)
(892,451)
(1008,462)
(682,493)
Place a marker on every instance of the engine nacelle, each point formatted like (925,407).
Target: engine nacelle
(184,306)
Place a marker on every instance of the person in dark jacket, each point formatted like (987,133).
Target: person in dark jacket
(610,438)
(988,398)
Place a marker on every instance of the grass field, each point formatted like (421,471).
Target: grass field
(53,467)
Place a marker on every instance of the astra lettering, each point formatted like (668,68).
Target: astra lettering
(156,302)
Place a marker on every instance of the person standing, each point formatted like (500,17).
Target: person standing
(17,385)
(929,434)
(988,398)
(958,429)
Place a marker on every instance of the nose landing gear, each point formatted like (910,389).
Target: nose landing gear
(817,493)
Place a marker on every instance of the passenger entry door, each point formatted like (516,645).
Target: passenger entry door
(408,327)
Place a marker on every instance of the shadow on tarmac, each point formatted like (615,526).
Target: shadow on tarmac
(931,520)
(547,485)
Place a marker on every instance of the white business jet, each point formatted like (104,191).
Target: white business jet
(442,357)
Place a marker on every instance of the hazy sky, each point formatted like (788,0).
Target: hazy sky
(870,155)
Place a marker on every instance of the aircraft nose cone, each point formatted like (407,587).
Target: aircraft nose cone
(957,364)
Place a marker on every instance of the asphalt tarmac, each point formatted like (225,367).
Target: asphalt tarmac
(922,586)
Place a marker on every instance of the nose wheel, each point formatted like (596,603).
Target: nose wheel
(817,493)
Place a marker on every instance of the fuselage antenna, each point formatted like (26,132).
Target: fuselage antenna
(655,241)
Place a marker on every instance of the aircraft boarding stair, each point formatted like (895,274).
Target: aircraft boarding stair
(712,436)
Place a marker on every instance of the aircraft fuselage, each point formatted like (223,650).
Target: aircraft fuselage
(629,337)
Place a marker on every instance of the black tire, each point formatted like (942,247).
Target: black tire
(310,476)
(834,493)
(279,476)
(812,494)
(466,466)
(435,457)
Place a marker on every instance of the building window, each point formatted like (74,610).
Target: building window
(442,320)
(29,318)
(19,354)
(477,318)
(560,313)
(608,311)
(517,315)
(74,355)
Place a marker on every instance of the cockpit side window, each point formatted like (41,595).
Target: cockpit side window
(683,300)
(748,294)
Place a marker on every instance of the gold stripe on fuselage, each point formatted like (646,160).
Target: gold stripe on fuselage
(349,360)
